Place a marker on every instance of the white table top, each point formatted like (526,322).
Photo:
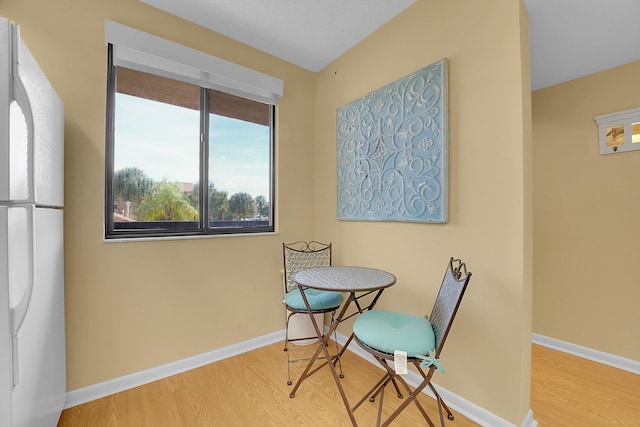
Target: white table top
(344,278)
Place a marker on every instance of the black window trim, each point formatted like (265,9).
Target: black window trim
(203,225)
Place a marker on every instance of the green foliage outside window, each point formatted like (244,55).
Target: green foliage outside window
(242,205)
(166,202)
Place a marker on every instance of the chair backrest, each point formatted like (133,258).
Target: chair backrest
(301,255)
(448,300)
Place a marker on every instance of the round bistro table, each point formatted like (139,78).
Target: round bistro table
(358,282)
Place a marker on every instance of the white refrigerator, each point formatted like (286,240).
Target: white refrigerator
(32,335)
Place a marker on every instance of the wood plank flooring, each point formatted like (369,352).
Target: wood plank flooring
(568,391)
(250,390)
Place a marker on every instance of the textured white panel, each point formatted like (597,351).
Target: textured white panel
(5,100)
(46,123)
(41,393)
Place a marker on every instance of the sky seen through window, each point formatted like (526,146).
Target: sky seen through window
(163,141)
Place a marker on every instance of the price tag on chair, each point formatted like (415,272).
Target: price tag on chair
(400,362)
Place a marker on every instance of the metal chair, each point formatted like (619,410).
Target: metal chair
(382,333)
(298,256)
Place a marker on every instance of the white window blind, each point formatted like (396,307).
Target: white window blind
(154,55)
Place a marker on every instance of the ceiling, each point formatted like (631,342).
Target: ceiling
(569,38)
(308,33)
(574,38)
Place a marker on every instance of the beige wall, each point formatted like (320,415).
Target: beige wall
(487,48)
(587,211)
(132,306)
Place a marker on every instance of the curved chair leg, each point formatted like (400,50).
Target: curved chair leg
(373,395)
(390,378)
(441,402)
(336,359)
(369,393)
(286,348)
(410,393)
(398,392)
(335,340)
(378,391)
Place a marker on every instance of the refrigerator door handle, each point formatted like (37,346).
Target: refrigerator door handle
(19,311)
(20,95)
(15,355)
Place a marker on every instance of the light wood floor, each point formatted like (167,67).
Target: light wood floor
(568,391)
(250,390)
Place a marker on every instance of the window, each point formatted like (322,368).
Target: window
(184,156)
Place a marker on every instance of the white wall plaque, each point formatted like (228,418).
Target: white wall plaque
(619,132)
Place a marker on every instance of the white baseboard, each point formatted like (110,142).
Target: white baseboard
(470,410)
(587,353)
(116,385)
(529,421)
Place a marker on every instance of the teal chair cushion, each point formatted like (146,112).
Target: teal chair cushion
(388,331)
(318,300)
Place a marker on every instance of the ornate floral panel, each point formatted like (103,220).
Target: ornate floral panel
(392,151)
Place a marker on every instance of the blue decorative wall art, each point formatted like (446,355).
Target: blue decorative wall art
(393,151)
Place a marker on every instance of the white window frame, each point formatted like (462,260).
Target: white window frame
(151,54)
(134,49)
